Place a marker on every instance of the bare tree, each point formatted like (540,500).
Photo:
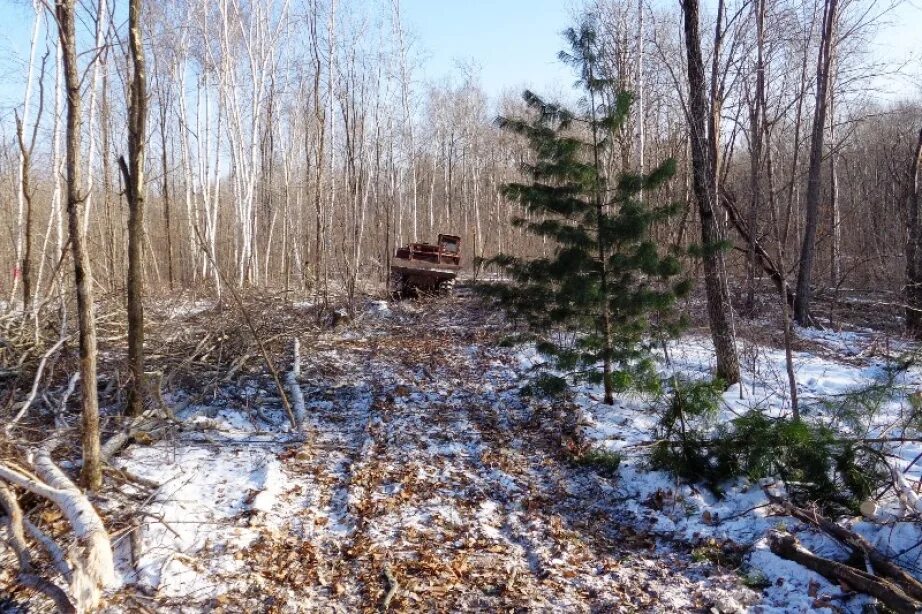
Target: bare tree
(814,178)
(91,471)
(914,244)
(24,194)
(133,174)
(702,115)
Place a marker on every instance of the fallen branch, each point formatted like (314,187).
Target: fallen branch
(891,595)
(71,386)
(58,557)
(881,563)
(17,540)
(392,587)
(293,379)
(35,383)
(904,491)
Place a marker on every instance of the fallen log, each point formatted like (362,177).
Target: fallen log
(891,595)
(92,567)
(881,563)
(17,541)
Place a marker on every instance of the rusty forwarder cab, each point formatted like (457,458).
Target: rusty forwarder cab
(423,267)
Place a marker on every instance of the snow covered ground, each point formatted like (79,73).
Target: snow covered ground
(422,467)
(852,362)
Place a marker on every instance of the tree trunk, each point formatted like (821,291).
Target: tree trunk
(603,259)
(26,194)
(814,178)
(755,156)
(704,167)
(91,472)
(133,172)
(914,246)
(835,255)
(167,213)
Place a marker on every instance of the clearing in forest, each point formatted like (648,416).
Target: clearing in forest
(429,474)
(423,481)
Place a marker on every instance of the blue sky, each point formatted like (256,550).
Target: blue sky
(513,42)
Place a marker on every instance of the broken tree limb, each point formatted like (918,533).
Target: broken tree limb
(891,595)
(293,379)
(904,491)
(881,563)
(765,260)
(17,540)
(91,558)
(62,404)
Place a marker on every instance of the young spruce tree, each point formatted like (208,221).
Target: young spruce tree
(608,285)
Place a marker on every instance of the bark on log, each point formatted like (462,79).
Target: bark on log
(91,560)
(17,540)
(887,592)
(880,562)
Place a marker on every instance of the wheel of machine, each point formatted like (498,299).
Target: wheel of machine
(447,286)
(397,285)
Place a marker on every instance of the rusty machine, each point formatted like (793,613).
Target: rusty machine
(425,268)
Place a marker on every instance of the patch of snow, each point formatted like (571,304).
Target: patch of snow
(671,509)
